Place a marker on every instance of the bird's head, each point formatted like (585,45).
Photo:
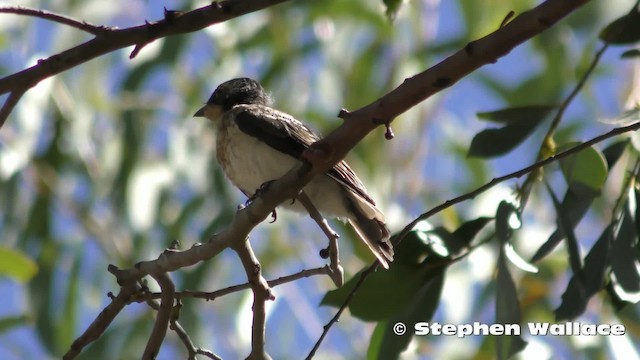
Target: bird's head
(231,93)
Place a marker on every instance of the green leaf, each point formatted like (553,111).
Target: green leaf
(613,152)
(624,30)
(68,321)
(10,322)
(385,344)
(438,241)
(624,253)
(519,115)
(382,295)
(588,167)
(16,264)
(615,299)
(507,220)
(519,124)
(588,282)
(630,54)
(495,142)
(464,235)
(507,311)
(517,260)
(567,228)
(576,202)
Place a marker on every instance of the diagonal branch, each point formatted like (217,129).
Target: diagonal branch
(322,155)
(413,90)
(103,320)
(470,195)
(62,19)
(108,40)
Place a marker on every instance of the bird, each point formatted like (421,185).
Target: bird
(256,144)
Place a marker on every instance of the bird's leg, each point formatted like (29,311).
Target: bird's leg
(265,185)
(332,252)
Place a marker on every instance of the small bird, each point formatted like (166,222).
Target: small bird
(256,144)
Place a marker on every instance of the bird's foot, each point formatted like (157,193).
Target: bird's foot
(262,189)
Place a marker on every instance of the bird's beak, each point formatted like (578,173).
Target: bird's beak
(200,113)
(211,112)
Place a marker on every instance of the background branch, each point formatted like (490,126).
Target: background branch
(62,19)
(108,40)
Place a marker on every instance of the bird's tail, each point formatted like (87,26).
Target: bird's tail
(376,235)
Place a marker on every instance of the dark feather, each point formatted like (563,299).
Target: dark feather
(286,134)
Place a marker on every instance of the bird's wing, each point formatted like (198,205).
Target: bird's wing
(284,133)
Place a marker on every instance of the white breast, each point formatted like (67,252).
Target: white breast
(249,163)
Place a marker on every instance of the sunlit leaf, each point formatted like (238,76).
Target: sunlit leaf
(16,265)
(507,220)
(588,167)
(517,260)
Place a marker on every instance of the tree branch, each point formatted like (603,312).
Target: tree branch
(261,294)
(470,195)
(212,295)
(102,321)
(108,40)
(517,174)
(322,155)
(474,55)
(336,272)
(162,318)
(9,104)
(43,14)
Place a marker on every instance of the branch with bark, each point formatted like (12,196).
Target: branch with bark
(320,157)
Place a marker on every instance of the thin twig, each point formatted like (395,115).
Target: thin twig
(102,321)
(212,295)
(325,329)
(261,294)
(517,174)
(470,195)
(583,80)
(547,142)
(62,19)
(176,327)
(110,39)
(337,272)
(186,341)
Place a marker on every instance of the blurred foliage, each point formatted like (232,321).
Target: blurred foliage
(104,164)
